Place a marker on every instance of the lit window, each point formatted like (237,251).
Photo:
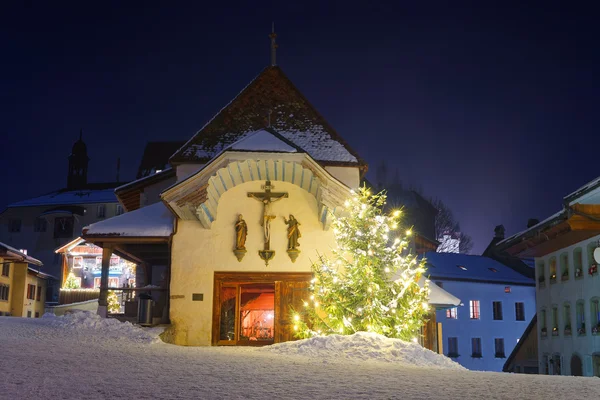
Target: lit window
(554,321)
(474,309)
(553,270)
(452,313)
(497,309)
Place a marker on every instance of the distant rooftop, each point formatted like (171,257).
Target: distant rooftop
(464,267)
(66,197)
(156,157)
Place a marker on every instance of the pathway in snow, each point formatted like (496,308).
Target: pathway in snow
(70,359)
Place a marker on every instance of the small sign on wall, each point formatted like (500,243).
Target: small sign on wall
(506,289)
(197,296)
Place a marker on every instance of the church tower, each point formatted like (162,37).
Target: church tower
(78,164)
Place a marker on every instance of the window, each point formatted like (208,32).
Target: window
(557,364)
(578,262)
(564,267)
(40,224)
(497,308)
(541,274)
(28,314)
(119,210)
(552,270)
(14,225)
(77,262)
(543,329)
(112,282)
(554,321)
(499,346)
(451,313)
(595,320)
(100,211)
(38,296)
(31,292)
(580,318)
(4,292)
(37,314)
(63,227)
(5,269)
(452,347)
(567,316)
(474,309)
(476,347)
(520,311)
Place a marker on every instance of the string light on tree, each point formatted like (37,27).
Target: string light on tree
(371,282)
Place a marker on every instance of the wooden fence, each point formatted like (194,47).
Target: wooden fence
(68,296)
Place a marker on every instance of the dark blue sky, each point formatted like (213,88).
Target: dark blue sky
(492,108)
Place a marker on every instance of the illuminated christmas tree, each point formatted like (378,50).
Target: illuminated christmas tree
(71,282)
(114,305)
(371,281)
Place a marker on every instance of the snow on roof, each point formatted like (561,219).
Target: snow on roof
(41,274)
(534,227)
(9,251)
(271,95)
(154,220)
(70,197)
(438,297)
(262,141)
(584,188)
(364,346)
(471,267)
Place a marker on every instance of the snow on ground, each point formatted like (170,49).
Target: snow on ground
(82,357)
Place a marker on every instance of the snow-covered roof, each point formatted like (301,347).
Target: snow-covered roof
(271,99)
(154,221)
(11,253)
(465,267)
(438,297)
(263,140)
(41,274)
(583,189)
(69,197)
(554,216)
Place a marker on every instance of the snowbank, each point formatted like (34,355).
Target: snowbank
(364,346)
(79,321)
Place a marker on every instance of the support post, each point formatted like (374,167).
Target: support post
(102,300)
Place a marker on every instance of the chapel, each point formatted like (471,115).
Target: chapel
(235,221)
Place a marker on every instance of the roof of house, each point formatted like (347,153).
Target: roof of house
(40,274)
(588,187)
(156,157)
(154,221)
(524,266)
(271,99)
(10,253)
(472,268)
(66,197)
(527,332)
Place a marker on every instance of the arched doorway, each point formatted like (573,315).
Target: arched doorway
(576,365)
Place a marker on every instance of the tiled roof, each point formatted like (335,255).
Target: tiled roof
(464,267)
(292,116)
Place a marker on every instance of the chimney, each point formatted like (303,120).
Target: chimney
(499,232)
(532,221)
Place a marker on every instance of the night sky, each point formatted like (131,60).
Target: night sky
(492,109)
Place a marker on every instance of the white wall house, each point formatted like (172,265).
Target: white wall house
(567,283)
(497,304)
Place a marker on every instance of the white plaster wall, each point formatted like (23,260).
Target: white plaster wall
(570,291)
(350,176)
(197,252)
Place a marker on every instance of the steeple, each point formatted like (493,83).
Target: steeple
(273,36)
(78,164)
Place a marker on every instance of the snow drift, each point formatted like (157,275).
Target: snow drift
(364,346)
(82,321)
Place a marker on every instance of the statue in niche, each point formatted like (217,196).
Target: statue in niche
(293,232)
(241,231)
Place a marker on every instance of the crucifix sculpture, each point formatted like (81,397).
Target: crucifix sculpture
(267,198)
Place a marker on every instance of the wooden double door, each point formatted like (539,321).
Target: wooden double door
(253,309)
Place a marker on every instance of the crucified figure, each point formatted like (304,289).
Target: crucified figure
(267,198)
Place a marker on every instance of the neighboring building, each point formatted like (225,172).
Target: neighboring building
(156,157)
(568,286)
(22,288)
(497,304)
(84,261)
(44,223)
(524,357)
(269,142)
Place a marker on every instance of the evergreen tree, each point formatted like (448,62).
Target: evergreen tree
(371,281)
(113,302)
(71,282)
